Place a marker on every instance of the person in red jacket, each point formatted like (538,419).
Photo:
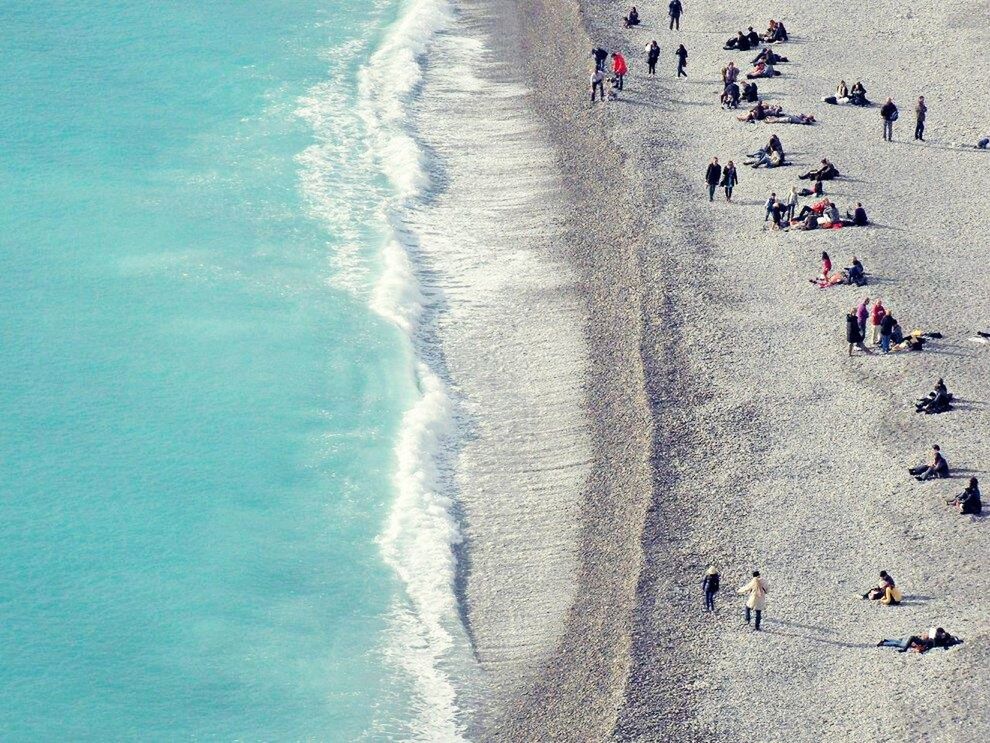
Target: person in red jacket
(619,69)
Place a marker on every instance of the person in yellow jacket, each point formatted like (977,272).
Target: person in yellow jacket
(756,598)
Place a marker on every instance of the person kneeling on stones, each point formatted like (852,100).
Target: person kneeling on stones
(885,592)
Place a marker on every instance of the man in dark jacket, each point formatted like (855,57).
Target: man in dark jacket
(921,111)
(888,112)
(712,177)
(675,9)
(853,336)
(886,328)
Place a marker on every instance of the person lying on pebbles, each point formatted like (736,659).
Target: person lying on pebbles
(782,118)
(762,69)
(816,190)
(885,591)
(760,111)
(938,467)
(934,638)
(769,56)
(968,501)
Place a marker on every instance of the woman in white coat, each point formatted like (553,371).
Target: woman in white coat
(756,598)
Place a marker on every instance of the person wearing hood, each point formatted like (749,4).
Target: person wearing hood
(710,585)
(619,69)
(756,598)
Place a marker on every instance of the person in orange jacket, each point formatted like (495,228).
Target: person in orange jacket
(619,69)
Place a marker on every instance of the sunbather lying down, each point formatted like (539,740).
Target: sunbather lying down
(934,638)
(783,118)
(760,111)
(762,70)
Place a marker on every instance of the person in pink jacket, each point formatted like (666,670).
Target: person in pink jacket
(619,69)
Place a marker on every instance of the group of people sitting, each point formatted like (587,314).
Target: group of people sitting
(855,96)
(731,95)
(743,42)
(886,592)
(853,275)
(939,400)
(824,214)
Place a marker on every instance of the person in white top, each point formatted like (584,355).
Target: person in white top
(756,598)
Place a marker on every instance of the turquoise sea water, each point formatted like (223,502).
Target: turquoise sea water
(199,408)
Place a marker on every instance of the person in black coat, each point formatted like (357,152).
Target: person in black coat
(853,336)
(682,56)
(712,177)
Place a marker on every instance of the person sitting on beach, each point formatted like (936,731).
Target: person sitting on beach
(983,143)
(842,90)
(783,118)
(857,95)
(858,217)
(968,501)
(750,93)
(854,274)
(730,96)
(817,190)
(769,159)
(937,468)
(934,638)
(939,400)
(752,37)
(763,69)
(816,209)
(884,591)
(830,216)
(826,172)
(775,32)
(739,42)
(632,19)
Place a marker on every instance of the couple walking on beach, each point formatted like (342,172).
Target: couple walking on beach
(755,591)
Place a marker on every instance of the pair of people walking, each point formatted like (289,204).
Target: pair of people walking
(716,175)
(755,591)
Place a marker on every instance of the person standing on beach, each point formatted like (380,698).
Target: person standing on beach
(853,335)
(709,585)
(920,111)
(769,206)
(876,318)
(674,10)
(756,598)
(652,55)
(729,179)
(888,112)
(792,202)
(712,176)
(862,314)
(886,330)
(619,69)
(598,84)
(600,55)
(681,55)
